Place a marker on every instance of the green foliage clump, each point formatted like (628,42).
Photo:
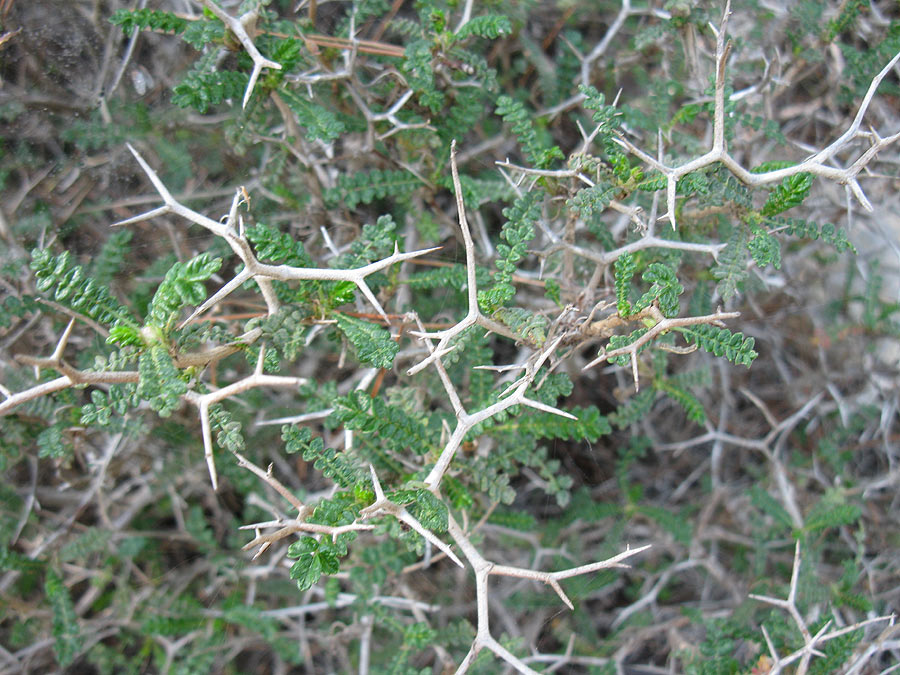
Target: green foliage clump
(204,86)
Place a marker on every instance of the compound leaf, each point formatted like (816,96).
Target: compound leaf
(792,191)
(182,286)
(721,342)
(66,635)
(314,558)
(489,26)
(372,343)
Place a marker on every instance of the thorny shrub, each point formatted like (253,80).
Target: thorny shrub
(449,335)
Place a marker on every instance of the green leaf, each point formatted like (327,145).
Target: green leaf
(97,412)
(792,191)
(665,288)
(477,190)
(766,250)
(453,276)
(341,293)
(676,525)
(553,387)
(393,426)
(201,32)
(529,327)
(364,187)
(51,442)
(520,119)
(731,269)
(766,503)
(67,641)
(517,231)
(774,165)
(90,541)
(321,124)
(112,256)
(625,267)
(515,520)
(589,426)
(14,307)
(593,200)
(619,341)
(337,466)
(495,297)
(286,330)
(125,335)
(228,430)
(798,227)
(634,409)
(377,241)
(289,53)
(418,66)
(419,635)
(552,290)
(845,19)
(605,116)
(182,286)
(299,440)
(832,510)
(694,409)
(106,409)
(160,383)
(607,120)
(721,342)
(204,86)
(489,26)
(73,289)
(836,653)
(274,246)
(459,496)
(430,511)
(342,509)
(314,558)
(147,19)
(372,344)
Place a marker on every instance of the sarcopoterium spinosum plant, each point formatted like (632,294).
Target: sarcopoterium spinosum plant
(457,297)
